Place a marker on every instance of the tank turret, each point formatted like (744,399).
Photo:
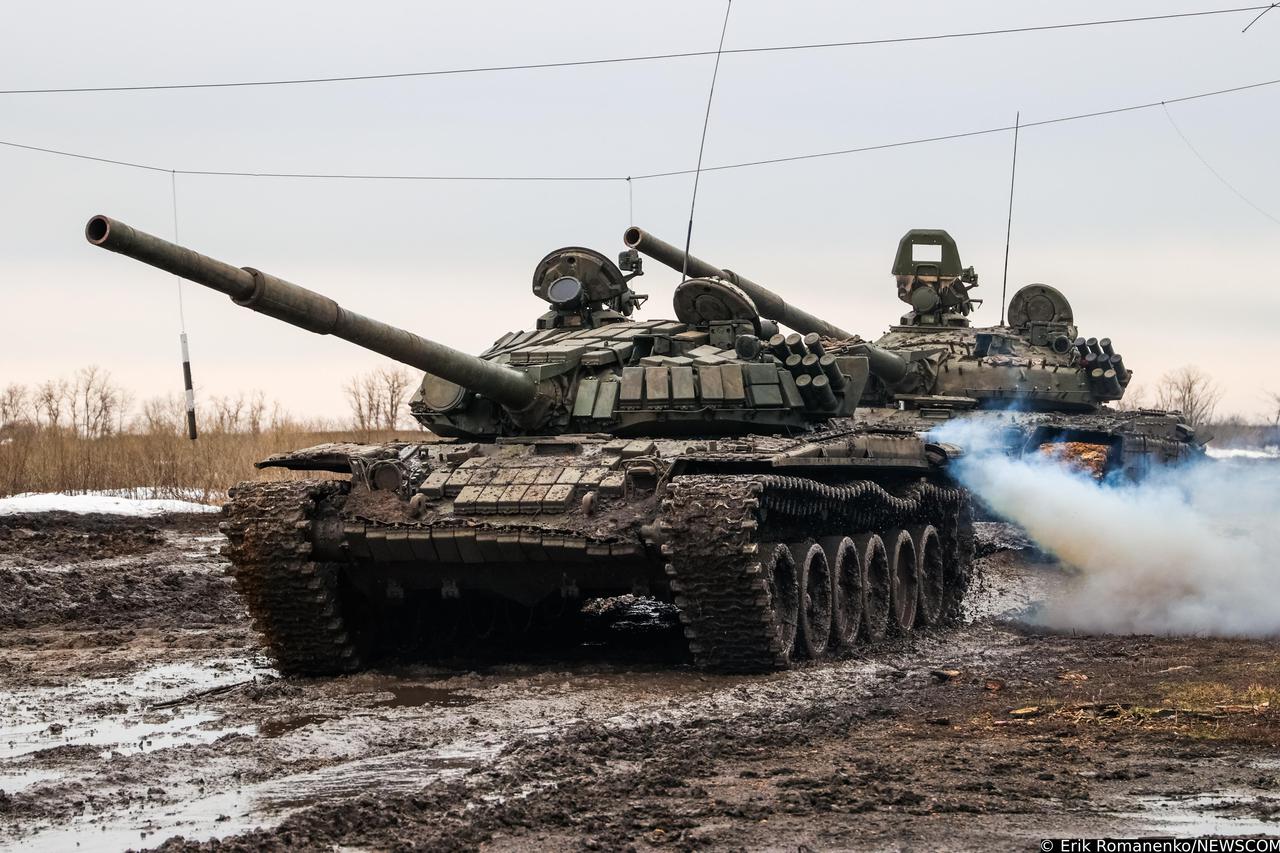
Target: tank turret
(1031,362)
(587,366)
(1031,379)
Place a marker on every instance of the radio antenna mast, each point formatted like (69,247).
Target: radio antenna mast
(706,119)
(1008,232)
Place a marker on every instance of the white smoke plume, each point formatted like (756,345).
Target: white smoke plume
(1193,549)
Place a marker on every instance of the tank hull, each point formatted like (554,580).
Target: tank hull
(341,573)
(1128,444)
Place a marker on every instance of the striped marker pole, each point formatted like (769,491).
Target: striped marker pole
(191,394)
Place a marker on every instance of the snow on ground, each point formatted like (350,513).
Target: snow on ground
(100,502)
(1271,451)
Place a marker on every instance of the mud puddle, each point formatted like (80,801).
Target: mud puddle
(214,815)
(1214,813)
(416,696)
(253,762)
(121,714)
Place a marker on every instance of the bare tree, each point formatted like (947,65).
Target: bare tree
(393,384)
(377,398)
(364,404)
(15,404)
(51,398)
(1191,391)
(256,412)
(96,404)
(227,413)
(279,419)
(162,415)
(1273,400)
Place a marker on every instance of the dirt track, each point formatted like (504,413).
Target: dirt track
(135,707)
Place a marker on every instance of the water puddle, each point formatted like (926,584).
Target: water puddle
(115,713)
(283,725)
(257,805)
(422,695)
(1211,813)
(115,735)
(15,779)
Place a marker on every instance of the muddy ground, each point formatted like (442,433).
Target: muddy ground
(137,710)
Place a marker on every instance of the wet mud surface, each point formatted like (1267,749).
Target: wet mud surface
(137,710)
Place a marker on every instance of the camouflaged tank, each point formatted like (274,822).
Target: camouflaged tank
(1033,381)
(706,461)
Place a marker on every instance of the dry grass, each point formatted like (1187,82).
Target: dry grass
(159,465)
(1212,694)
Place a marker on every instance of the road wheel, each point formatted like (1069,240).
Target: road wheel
(815,602)
(783,582)
(848,590)
(879,586)
(905,589)
(931,572)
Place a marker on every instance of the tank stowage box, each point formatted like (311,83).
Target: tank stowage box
(711,461)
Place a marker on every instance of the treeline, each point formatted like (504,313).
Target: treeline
(1197,395)
(85,433)
(92,405)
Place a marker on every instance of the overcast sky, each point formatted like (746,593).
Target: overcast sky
(1151,249)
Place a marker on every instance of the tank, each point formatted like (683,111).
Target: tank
(708,461)
(1033,380)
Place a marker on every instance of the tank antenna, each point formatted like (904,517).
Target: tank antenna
(1008,232)
(706,119)
(182,323)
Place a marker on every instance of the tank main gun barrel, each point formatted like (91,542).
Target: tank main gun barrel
(890,367)
(309,310)
(770,304)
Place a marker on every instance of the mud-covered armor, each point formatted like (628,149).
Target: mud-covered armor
(710,461)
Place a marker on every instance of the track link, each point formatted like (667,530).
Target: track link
(713,527)
(293,601)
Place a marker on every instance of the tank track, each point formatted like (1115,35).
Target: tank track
(295,603)
(712,526)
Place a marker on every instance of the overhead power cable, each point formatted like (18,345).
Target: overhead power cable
(655,57)
(961,135)
(1260,14)
(1214,171)
(598,178)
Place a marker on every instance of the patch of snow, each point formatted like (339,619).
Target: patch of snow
(1271,451)
(153,493)
(97,502)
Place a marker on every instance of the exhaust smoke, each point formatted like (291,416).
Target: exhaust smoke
(1192,549)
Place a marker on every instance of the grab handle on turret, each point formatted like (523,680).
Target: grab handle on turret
(314,312)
